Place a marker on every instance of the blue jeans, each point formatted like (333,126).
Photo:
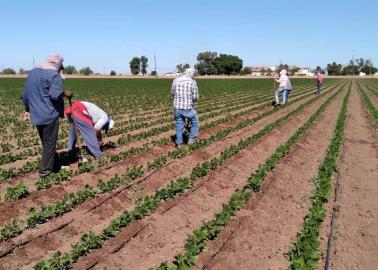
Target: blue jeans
(180,116)
(88,133)
(285,96)
(318,88)
(286,93)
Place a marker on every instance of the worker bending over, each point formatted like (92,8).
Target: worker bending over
(89,120)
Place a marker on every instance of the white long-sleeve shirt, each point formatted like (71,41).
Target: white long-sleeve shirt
(99,117)
(283,82)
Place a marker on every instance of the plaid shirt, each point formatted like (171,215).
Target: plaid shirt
(185,93)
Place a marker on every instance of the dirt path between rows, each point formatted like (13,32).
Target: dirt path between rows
(167,231)
(356,230)
(261,233)
(96,220)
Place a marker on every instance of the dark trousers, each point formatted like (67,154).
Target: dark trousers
(49,135)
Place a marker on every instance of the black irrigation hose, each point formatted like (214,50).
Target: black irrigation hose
(333,218)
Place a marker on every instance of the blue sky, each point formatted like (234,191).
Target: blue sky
(107,34)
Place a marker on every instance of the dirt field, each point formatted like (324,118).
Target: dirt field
(257,235)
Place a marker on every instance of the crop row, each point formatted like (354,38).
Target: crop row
(304,253)
(209,230)
(8,158)
(50,211)
(123,140)
(369,104)
(147,204)
(66,175)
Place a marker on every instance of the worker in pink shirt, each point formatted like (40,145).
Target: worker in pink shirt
(319,80)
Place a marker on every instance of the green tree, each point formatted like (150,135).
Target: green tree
(228,64)
(334,69)
(369,68)
(135,65)
(21,71)
(144,61)
(319,69)
(153,73)
(9,71)
(246,71)
(182,67)
(70,70)
(113,73)
(206,63)
(352,67)
(283,66)
(86,71)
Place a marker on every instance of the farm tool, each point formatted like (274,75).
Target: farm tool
(82,159)
(274,104)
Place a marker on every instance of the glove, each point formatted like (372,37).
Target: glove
(68,94)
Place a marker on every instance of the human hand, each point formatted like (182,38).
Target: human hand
(26,116)
(68,94)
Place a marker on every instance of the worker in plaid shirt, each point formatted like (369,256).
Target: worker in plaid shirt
(185,94)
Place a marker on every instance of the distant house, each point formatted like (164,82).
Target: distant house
(304,72)
(262,71)
(172,74)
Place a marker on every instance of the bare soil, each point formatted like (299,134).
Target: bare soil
(261,233)
(356,224)
(167,230)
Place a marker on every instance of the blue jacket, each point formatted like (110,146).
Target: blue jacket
(43,96)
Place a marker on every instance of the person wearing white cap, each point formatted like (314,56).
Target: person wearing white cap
(90,120)
(284,88)
(185,95)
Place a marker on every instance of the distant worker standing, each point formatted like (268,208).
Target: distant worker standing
(43,100)
(90,120)
(185,94)
(283,88)
(319,80)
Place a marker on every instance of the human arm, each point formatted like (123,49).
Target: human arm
(25,101)
(194,90)
(173,89)
(56,88)
(100,123)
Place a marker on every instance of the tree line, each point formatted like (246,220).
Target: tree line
(210,63)
(354,67)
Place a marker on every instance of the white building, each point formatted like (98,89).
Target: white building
(304,72)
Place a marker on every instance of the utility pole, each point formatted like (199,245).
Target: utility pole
(370,66)
(155,63)
(353,65)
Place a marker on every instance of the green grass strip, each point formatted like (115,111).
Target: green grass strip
(304,253)
(90,241)
(373,110)
(196,242)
